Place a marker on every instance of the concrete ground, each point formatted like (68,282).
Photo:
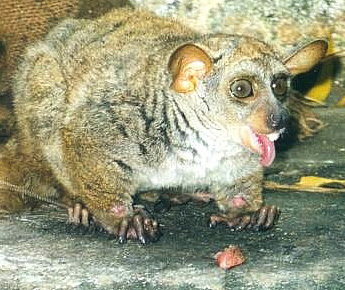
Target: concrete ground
(305,251)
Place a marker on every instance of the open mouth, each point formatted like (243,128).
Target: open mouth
(261,144)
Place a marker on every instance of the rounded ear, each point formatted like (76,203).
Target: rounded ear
(188,64)
(303,59)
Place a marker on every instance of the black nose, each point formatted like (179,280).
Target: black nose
(279,120)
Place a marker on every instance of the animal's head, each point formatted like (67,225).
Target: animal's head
(247,80)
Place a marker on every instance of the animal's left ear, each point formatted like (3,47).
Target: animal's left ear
(306,57)
(188,64)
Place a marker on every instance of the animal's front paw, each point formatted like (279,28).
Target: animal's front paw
(263,219)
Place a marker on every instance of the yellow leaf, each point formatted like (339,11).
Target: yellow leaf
(310,184)
(315,181)
(323,86)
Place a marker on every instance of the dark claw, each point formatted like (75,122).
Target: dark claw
(267,217)
(239,223)
(244,223)
(234,223)
(151,229)
(139,228)
(262,218)
(121,240)
(122,234)
(254,219)
(155,232)
(212,224)
(142,240)
(149,226)
(216,219)
(272,217)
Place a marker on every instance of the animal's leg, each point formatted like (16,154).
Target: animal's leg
(243,206)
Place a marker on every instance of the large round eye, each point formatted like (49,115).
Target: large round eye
(241,88)
(280,85)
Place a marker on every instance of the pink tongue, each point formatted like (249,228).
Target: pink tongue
(268,151)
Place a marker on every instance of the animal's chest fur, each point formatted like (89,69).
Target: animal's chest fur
(218,163)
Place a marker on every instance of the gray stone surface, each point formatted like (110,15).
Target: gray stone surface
(327,148)
(285,22)
(305,251)
(217,10)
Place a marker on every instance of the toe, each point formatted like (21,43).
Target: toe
(122,233)
(233,223)
(244,223)
(272,217)
(216,219)
(151,229)
(138,224)
(77,212)
(261,221)
(70,215)
(85,217)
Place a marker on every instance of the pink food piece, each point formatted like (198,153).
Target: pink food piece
(229,258)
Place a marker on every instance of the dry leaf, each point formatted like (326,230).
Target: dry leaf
(315,181)
(310,184)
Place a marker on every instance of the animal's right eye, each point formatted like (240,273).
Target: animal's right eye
(241,88)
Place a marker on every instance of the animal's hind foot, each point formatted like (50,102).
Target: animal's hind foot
(138,225)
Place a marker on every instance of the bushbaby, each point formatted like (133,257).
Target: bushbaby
(131,102)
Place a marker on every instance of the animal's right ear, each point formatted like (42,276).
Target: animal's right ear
(306,57)
(188,64)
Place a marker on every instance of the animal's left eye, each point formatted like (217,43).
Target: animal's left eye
(280,85)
